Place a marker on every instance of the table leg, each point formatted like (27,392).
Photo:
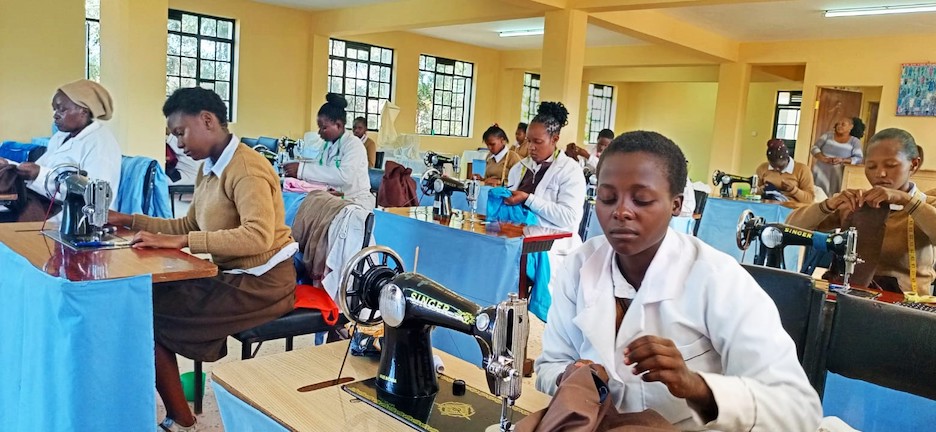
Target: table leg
(524,288)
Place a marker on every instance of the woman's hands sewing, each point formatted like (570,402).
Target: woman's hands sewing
(850,200)
(119,219)
(659,361)
(144,239)
(516,198)
(28,170)
(291,169)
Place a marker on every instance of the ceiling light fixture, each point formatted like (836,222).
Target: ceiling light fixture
(881,10)
(517,33)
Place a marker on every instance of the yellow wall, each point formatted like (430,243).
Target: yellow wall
(683,112)
(758,123)
(42,46)
(407,48)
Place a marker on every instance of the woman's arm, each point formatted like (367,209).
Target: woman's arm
(561,335)
(180,226)
(253,198)
(856,154)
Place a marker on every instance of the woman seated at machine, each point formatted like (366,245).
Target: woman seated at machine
(892,157)
(680,328)
(501,159)
(785,176)
(237,216)
(342,163)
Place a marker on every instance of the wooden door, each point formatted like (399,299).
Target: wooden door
(834,104)
(873,108)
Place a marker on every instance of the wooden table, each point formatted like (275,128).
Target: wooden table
(56,259)
(269,384)
(883,296)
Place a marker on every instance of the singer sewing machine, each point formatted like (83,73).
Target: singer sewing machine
(85,205)
(775,236)
(433,182)
(725,180)
(375,289)
(289,147)
(437,161)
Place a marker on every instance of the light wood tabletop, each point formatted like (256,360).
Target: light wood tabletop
(270,384)
(56,259)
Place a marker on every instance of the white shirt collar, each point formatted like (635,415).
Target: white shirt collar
(500,156)
(622,288)
(788,169)
(217,168)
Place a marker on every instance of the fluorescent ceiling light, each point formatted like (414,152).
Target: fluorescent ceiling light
(516,33)
(881,10)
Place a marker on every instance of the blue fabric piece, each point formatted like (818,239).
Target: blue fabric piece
(292,201)
(16,151)
(131,195)
(478,166)
(719,225)
(484,276)
(237,416)
(538,271)
(459,201)
(870,408)
(498,211)
(76,355)
(41,141)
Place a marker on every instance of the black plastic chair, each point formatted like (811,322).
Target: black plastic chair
(800,306)
(297,322)
(700,199)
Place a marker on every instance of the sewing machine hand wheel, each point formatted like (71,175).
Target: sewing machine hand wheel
(741,235)
(425,186)
(361,281)
(56,176)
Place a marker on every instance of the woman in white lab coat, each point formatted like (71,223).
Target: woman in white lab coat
(547,181)
(342,162)
(681,328)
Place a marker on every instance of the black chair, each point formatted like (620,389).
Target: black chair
(298,322)
(801,307)
(884,344)
(376,176)
(178,190)
(700,199)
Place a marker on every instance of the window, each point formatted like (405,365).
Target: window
(787,116)
(93,40)
(200,52)
(531,97)
(363,74)
(600,109)
(444,96)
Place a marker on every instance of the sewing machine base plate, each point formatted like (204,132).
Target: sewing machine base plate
(474,411)
(72,241)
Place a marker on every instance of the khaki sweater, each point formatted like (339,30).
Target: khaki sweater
(803,190)
(371,148)
(894,260)
(238,218)
(499,170)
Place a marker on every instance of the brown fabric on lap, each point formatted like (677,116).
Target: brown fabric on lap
(310,229)
(194,318)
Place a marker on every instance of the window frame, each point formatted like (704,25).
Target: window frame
(592,126)
(467,93)
(367,112)
(177,14)
(91,21)
(778,107)
(530,98)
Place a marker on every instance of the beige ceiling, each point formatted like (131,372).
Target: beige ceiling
(488,35)
(323,4)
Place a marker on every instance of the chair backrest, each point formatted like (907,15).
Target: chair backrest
(368,229)
(138,187)
(884,344)
(700,198)
(376,175)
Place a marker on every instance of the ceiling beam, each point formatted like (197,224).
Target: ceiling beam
(661,29)
(652,74)
(544,5)
(609,56)
(415,14)
(623,5)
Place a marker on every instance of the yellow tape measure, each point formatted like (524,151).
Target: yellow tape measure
(911,245)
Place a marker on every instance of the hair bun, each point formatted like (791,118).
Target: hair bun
(775,143)
(556,110)
(337,100)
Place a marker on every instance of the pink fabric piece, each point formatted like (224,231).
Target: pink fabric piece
(296,185)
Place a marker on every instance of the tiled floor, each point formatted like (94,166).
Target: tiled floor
(210,419)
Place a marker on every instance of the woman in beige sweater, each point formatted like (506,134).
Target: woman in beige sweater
(238,217)
(892,157)
(783,174)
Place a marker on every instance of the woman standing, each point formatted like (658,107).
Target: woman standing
(832,151)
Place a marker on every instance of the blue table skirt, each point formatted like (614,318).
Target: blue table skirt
(479,267)
(76,355)
(869,408)
(719,224)
(459,201)
(237,416)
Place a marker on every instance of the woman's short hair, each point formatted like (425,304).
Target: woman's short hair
(674,161)
(194,100)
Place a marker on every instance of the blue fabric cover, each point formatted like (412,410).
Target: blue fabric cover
(237,416)
(132,197)
(485,275)
(479,167)
(872,408)
(16,151)
(76,355)
(498,211)
(719,225)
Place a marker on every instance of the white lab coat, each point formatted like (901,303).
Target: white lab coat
(343,166)
(722,322)
(558,200)
(94,150)
(688,203)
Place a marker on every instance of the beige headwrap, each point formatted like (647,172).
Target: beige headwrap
(92,96)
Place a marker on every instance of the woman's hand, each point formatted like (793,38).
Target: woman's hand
(291,169)
(516,198)
(880,195)
(28,170)
(659,361)
(578,363)
(787,185)
(119,219)
(847,200)
(144,239)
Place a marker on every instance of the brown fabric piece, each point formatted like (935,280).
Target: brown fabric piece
(194,317)
(29,206)
(577,407)
(529,181)
(310,229)
(870,223)
(397,188)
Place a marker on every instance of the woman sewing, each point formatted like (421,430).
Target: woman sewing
(342,162)
(522,147)
(236,216)
(500,158)
(785,176)
(680,328)
(892,158)
(82,140)
(832,151)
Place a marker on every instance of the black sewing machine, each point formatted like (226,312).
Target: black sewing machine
(85,205)
(376,289)
(725,180)
(434,182)
(437,161)
(289,147)
(773,237)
